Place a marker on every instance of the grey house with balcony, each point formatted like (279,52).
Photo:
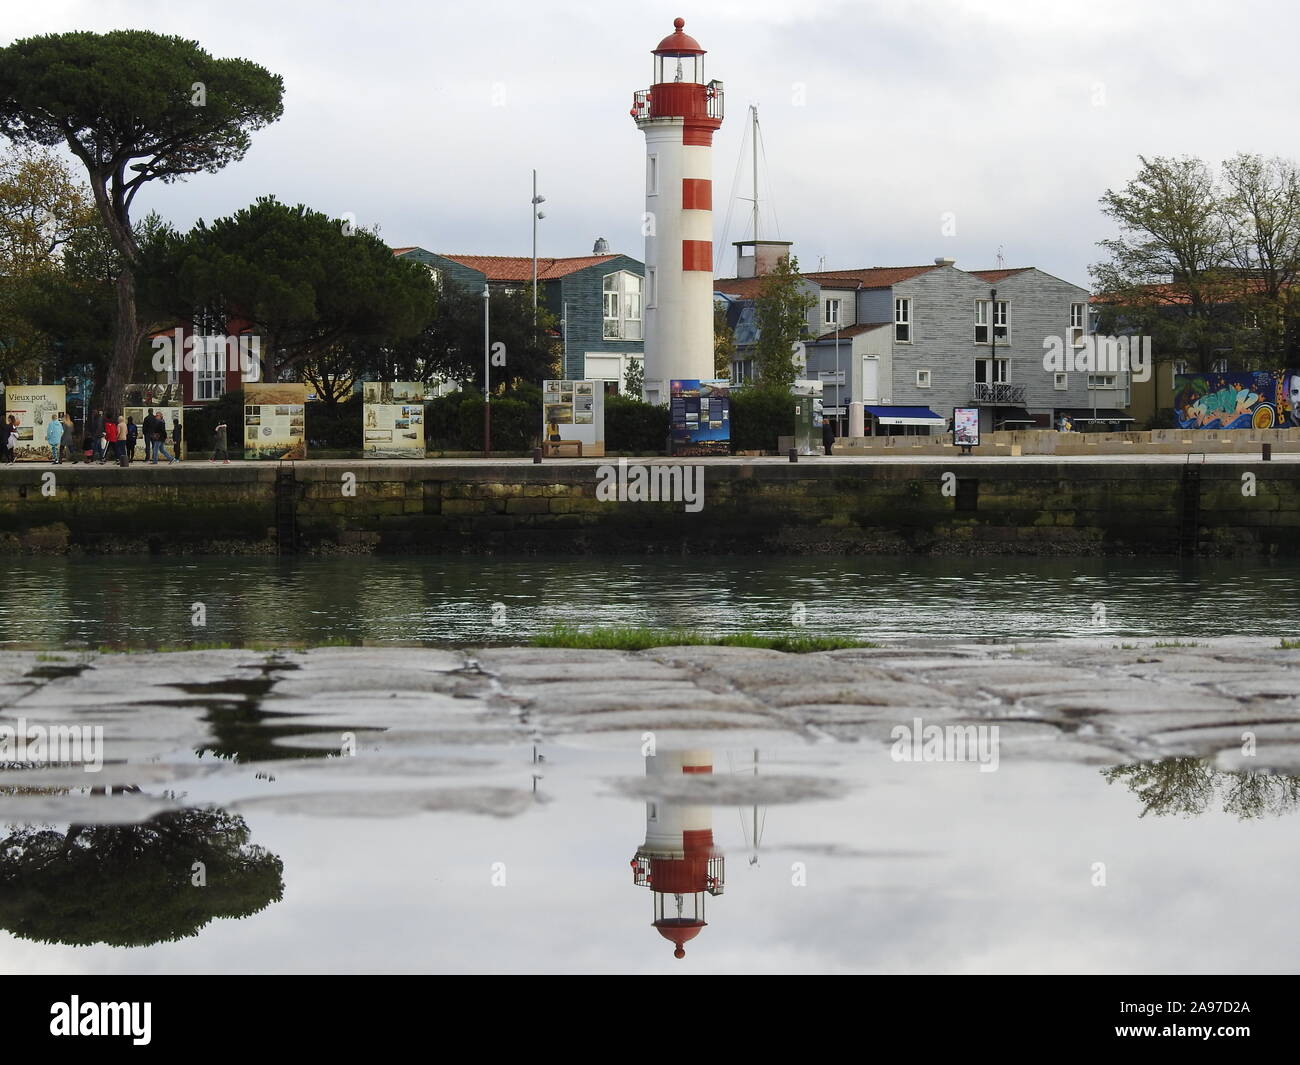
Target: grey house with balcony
(913,342)
(596,298)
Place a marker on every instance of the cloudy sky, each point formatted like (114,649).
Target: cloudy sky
(1008,118)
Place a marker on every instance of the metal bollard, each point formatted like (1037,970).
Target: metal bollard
(537,455)
(794,455)
(1268,452)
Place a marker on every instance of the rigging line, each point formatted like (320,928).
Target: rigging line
(767,173)
(731,201)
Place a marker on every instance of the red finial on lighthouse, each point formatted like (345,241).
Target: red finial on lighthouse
(679,23)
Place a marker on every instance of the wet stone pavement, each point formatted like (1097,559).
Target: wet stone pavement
(1140,791)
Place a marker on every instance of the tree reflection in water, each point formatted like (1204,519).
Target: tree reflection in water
(132,885)
(1189,786)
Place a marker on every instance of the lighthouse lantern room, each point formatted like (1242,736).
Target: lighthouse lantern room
(678,115)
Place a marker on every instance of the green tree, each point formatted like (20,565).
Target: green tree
(316,291)
(634,378)
(451,344)
(43,210)
(133,107)
(724,341)
(1165,275)
(1189,786)
(781,311)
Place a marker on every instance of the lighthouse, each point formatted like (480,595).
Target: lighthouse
(678,115)
(678,861)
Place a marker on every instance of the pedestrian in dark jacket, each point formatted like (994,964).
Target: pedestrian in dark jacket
(95,431)
(219,444)
(132,437)
(176,436)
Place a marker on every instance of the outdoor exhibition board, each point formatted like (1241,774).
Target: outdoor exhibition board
(34,406)
(574,410)
(700,416)
(162,399)
(275,421)
(393,413)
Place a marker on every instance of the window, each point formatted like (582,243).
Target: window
(1220,366)
(1060,381)
(210,369)
(922,378)
(990,371)
(621,306)
(650,287)
(903,321)
(1076,324)
(1180,367)
(652,175)
(831,314)
(999,315)
(1101,380)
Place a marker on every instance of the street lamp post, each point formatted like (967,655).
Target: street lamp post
(839,383)
(487,364)
(536,215)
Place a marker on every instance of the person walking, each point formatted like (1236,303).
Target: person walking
(150,428)
(54,437)
(219,443)
(121,440)
(95,432)
(69,435)
(109,438)
(10,439)
(160,441)
(132,438)
(176,436)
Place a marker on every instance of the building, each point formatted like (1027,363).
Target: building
(678,114)
(913,342)
(597,298)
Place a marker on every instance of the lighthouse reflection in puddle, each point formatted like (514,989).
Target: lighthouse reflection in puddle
(678,861)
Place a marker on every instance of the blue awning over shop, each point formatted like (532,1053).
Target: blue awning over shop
(905,415)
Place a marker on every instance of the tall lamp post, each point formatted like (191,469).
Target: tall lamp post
(839,383)
(487,364)
(536,215)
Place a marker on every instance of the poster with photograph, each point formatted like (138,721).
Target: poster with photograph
(163,400)
(574,411)
(275,425)
(393,419)
(34,406)
(966,426)
(700,416)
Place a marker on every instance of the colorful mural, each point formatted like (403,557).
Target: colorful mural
(1264,399)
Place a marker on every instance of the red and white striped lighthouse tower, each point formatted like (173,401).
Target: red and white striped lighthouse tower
(678,115)
(678,861)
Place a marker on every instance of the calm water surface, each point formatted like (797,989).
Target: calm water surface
(50,602)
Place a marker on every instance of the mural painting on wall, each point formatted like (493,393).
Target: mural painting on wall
(1265,399)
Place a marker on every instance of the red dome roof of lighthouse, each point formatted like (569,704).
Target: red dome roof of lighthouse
(679,43)
(679,930)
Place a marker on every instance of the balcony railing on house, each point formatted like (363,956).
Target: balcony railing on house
(1000,394)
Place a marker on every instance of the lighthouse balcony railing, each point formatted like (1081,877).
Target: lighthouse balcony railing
(717,875)
(641,871)
(714,96)
(641,103)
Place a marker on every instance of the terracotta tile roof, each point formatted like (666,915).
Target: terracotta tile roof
(870,276)
(852,331)
(994,276)
(1227,290)
(520,267)
(403,251)
(867,277)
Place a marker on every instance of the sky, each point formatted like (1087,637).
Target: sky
(893,132)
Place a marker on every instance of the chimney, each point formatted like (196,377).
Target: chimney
(945,260)
(601,247)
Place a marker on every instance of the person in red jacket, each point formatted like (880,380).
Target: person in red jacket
(110,436)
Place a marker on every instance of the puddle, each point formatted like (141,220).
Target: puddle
(426,857)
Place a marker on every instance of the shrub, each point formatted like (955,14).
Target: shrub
(631,425)
(758,417)
(201,421)
(516,425)
(337,427)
